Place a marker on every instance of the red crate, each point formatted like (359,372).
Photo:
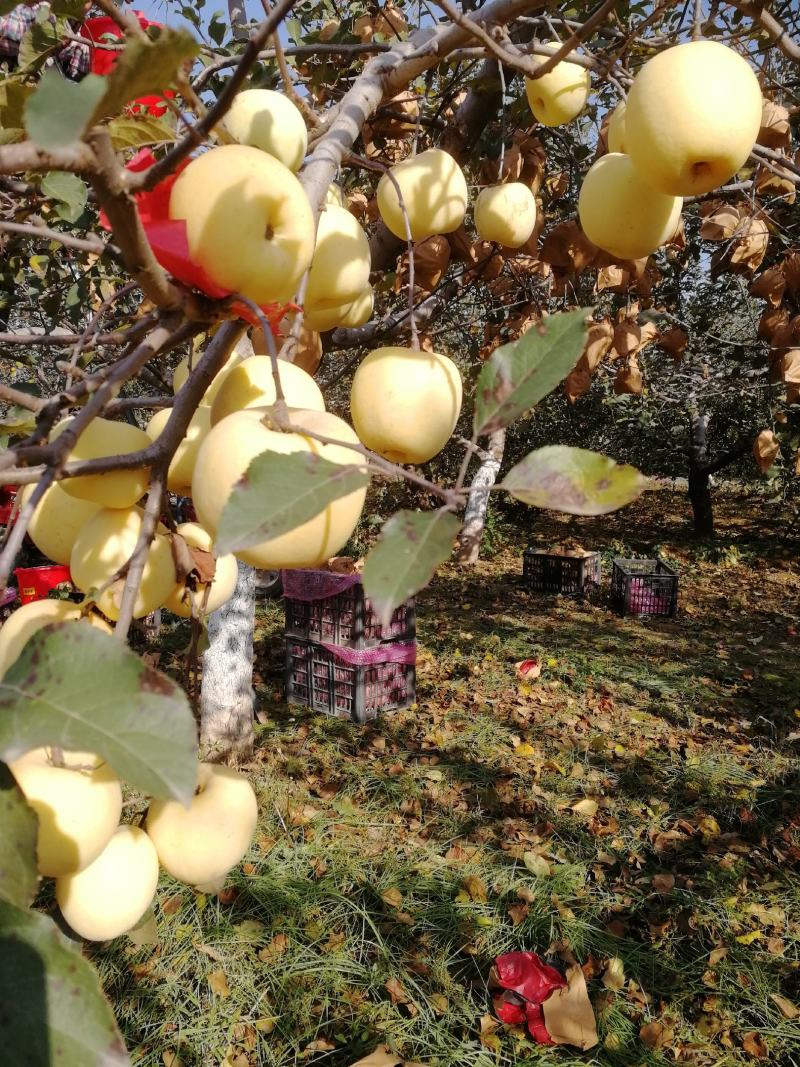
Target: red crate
(339,682)
(344,619)
(35,583)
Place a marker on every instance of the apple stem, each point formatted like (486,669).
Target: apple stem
(56,756)
(269,339)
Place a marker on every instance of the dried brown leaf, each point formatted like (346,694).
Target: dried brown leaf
(765,450)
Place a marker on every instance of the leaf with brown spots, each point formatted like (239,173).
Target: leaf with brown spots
(573,480)
(76,688)
(755,1046)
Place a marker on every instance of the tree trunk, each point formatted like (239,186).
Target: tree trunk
(226,696)
(700,477)
(469,545)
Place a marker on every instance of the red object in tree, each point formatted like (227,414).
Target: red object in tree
(34,583)
(528,981)
(102,60)
(167,238)
(8,494)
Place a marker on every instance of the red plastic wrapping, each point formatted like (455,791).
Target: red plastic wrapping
(528,982)
(167,238)
(102,60)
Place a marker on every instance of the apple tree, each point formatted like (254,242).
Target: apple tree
(430,222)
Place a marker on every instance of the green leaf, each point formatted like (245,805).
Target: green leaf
(52,1010)
(411,546)
(18,421)
(518,375)
(59,111)
(18,828)
(145,67)
(70,192)
(574,480)
(78,688)
(130,132)
(279,493)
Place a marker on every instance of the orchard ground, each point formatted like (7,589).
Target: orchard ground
(639,801)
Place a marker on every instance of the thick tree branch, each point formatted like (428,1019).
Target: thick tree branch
(776,32)
(77,158)
(384,76)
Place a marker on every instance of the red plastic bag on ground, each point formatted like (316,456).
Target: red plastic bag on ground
(528,981)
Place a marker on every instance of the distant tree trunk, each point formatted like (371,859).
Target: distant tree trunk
(469,545)
(700,476)
(226,696)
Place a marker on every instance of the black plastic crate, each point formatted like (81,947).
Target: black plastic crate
(549,572)
(322,680)
(347,619)
(644,587)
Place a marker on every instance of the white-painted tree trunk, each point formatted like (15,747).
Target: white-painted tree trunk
(469,545)
(226,695)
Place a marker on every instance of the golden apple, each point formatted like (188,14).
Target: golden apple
(103,437)
(560,95)
(355,313)
(78,806)
(621,213)
(179,476)
(434,193)
(23,623)
(181,373)
(56,521)
(251,385)
(228,451)
(200,844)
(105,545)
(692,117)
(266,120)
(248,221)
(221,587)
(506,214)
(110,896)
(615,134)
(340,267)
(405,404)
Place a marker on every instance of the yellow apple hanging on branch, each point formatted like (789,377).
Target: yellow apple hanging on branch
(615,134)
(57,520)
(340,267)
(228,451)
(251,385)
(248,221)
(405,403)
(692,117)
(102,438)
(105,545)
(505,214)
(220,588)
(78,806)
(181,372)
(434,194)
(266,120)
(179,475)
(200,844)
(621,213)
(560,95)
(110,896)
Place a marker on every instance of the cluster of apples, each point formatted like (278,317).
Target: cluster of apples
(106,872)
(689,124)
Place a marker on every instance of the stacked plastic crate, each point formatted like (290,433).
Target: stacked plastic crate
(340,659)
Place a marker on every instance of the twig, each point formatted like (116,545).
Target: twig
(126,21)
(92,325)
(22,400)
(697,21)
(776,32)
(286,75)
(135,566)
(269,341)
(82,244)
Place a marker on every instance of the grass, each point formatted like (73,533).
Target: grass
(394,862)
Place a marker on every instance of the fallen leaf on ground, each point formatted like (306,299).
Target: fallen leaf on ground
(785,1007)
(614,977)
(568,1013)
(755,1046)
(218,983)
(587,807)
